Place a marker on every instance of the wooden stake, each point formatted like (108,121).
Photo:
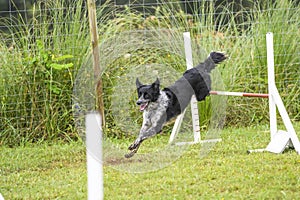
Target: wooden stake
(96,59)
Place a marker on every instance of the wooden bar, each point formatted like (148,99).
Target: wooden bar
(96,58)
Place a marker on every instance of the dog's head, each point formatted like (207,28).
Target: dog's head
(147,93)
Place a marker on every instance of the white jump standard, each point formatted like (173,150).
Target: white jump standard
(194,105)
(280,139)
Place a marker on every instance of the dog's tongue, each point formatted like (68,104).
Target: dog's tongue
(143,106)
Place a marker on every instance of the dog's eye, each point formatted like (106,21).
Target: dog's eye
(146,96)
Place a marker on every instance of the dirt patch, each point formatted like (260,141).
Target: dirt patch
(119,161)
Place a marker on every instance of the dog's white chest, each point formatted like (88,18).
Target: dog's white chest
(156,110)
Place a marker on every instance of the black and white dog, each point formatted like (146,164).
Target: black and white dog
(160,106)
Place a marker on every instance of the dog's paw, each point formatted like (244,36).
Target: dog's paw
(129,155)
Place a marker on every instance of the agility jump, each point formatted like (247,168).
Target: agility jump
(280,140)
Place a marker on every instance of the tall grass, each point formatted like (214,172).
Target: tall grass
(249,57)
(245,71)
(41,58)
(38,72)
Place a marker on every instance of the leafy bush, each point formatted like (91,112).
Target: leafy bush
(38,72)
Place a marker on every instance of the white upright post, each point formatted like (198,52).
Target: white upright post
(279,139)
(94,156)
(271,84)
(194,102)
(176,127)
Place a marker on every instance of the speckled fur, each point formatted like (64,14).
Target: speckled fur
(163,105)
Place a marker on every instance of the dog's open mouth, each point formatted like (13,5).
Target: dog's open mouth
(143,106)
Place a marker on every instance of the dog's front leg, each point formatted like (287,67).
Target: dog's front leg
(145,133)
(133,151)
(157,122)
(146,125)
(151,131)
(135,146)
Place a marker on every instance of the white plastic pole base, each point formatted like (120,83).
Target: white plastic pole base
(280,142)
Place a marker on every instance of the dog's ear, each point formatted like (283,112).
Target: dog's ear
(138,83)
(156,84)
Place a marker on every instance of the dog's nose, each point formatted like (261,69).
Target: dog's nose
(138,102)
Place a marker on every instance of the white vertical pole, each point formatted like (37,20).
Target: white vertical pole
(194,102)
(94,156)
(194,105)
(271,84)
(188,50)
(176,127)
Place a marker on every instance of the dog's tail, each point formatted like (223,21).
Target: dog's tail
(213,59)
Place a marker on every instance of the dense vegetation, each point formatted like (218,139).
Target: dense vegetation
(42,55)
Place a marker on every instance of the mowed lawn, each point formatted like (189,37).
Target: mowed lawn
(58,171)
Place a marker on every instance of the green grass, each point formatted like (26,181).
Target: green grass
(58,171)
(43,172)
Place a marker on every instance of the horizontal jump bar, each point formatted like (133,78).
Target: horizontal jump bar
(239,94)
